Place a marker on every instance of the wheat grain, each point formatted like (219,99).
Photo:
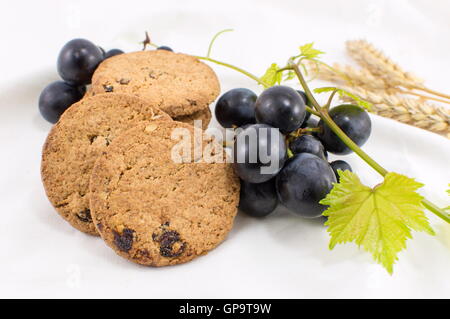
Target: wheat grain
(384,90)
(380,65)
(407,110)
(346,75)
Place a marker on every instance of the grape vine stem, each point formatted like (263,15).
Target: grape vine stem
(352,145)
(248,74)
(322,112)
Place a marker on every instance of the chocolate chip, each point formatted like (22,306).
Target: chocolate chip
(85,216)
(100,226)
(170,244)
(124,241)
(108,88)
(92,138)
(124,81)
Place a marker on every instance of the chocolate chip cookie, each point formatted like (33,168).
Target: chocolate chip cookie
(156,211)
(177,83)
(83,133)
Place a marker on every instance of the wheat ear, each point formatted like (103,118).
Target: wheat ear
(353,76)
(407,110)
(366,55)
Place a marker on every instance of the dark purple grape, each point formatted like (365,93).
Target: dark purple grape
(281,107)
(113,52)
(342,165)
(308,144)
(353,120)
(258,200)
(304,96)
(259,153)
(306,100)
(236,108)
(304,181)
(310,123)
(56,98)
(78,60)
(166,48)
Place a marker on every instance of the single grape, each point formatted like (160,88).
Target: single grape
(166,48)
(259,153)
(342,165)
(311,122)
(78,60)
(282,107)
(308,144)
(113,52)
(303,182)
(103,50)
(258,200)
(304,96)
(306,100)
(353,120)
(56,98)
(236,107)
(82,90)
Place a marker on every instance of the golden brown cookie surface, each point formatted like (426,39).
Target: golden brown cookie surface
(203,115)
(75,142)
(177,83)
(154,211)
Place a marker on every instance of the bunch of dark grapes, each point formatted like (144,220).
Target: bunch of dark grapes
(269,127)
(76,63)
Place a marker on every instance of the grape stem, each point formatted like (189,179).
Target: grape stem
(330,99)
(248,74)
(322,112)
(208,54)
(352,145)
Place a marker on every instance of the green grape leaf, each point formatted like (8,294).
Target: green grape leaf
(309,52)
(289,75)
(378,219)
(272,76)
(360,102)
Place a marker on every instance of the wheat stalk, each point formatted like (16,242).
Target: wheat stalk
(407,110)
(353,76)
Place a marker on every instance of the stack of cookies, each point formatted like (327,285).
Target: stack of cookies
(108,168)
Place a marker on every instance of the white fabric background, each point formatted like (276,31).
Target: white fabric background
(283,256)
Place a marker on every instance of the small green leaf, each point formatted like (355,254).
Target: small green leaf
(309,52)
(289,153)
(325,89)
(379,220)
(360,102)
(272,76)
(289,75)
